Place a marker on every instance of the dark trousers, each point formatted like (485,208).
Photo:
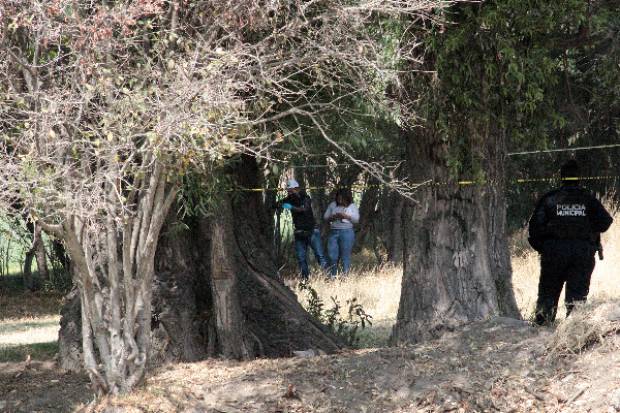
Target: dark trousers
(565,261)
(301,248)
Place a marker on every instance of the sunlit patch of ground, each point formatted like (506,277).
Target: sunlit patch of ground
(29,331)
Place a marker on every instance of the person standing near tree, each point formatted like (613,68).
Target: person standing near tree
(341,215)
(306,231)
(565,229)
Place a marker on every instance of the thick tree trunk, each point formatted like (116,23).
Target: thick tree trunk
(274,321)
(182,322)
(233,339)
(216,289)
(456,267)
(70,334)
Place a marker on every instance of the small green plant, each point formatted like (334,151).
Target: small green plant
(346,326)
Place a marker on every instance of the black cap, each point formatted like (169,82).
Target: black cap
(569,172)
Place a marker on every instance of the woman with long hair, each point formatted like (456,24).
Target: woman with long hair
(341,215)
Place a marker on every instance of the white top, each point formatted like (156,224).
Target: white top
(351,210)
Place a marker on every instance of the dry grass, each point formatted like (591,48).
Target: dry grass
(29,324)
(590,324)
(28,331)
(378,290)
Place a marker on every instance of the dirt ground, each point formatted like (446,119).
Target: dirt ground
(41,387)
(501,365)
(497,366)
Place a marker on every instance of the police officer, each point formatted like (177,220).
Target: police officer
(564,229)
(306,232)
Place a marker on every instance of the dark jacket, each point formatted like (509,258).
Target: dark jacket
(303,218)
(568,213)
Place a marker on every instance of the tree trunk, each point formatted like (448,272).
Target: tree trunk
(457,266)
(113,267)
(216,289)
(233,339)
(27,271)
(274,321)
(60,255)
(70,333)
(248,312)
(182,322)
(38,252)
(390,225)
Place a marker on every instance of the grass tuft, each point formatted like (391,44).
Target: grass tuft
(589,324)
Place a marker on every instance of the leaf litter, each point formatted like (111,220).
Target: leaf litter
(498,365)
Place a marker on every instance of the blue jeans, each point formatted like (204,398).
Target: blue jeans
(301,249)
(339,246)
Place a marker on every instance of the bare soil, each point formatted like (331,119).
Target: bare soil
(39,386)
(501,365)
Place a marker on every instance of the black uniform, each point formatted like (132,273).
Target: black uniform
(565,229)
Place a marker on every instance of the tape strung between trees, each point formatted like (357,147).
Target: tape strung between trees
(430,182)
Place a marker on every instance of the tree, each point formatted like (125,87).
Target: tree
(586,112)
(108,105)
(489,70)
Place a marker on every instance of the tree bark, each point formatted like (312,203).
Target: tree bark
(182,321)
(38,252)
(27,271)
(456,266)
(274,321)
(70,333)
(216,289)
(233,338)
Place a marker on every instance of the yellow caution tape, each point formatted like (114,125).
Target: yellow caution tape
(430,182)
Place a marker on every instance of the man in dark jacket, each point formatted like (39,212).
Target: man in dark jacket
(564,229)
(306,232)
